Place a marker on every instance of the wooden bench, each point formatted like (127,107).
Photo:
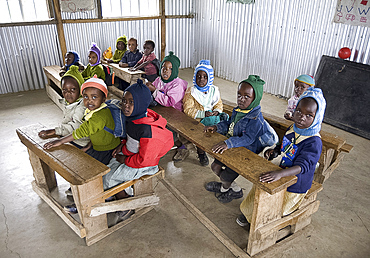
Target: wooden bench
(84,173)
(267,225)
(333,151)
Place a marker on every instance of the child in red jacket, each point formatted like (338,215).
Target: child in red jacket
(147,141)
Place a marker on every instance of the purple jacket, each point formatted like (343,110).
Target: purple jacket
(170,94)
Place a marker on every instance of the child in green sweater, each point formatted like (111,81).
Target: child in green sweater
(94,66)
(96,118)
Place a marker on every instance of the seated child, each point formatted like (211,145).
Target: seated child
(74,108)
(203,101)
(300,149)
(132,55)
(96,117)
(71,58)
(146,62)
(301,84)
(94,66)
(121,47)
(147,141)
(246,128)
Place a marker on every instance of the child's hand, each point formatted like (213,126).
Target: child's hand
(219,147)
(150,86)
(109,61)
(117,150)
(208,113)
(46,133)
(84,149)
(123,65)
(268,153)
(120,158)
(270,177)
(132,69)
(52,144)
(211,129)
(215,113)
(288,116)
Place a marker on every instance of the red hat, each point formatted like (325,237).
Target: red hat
(95,82)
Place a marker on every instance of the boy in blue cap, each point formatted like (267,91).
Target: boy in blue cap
(71,58)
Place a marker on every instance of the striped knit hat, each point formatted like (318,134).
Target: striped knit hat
(95,82)
(94,48)
(307,79)
(204,65)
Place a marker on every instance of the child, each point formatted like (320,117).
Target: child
(301,149)
(203,101)
(121,47)
(146,62)
(96,117)
(71,58)
(132,55)
(147,141)
(94,66)
(301,84)
(168,90)
(246,128)
(74,108)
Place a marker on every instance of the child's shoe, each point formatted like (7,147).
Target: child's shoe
(68,192)
(123,215)
(242,221)
(229,196)
(180,155)
(214,187)
(203,159)
(71,209)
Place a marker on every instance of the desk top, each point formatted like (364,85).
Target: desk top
(242,160)
(116,66)
(72,164)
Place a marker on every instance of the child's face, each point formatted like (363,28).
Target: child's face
(127,103)
(69,58)
(245,95)
(166,70)
(148,49)
(201,78)
(93,98)
(70,89)
(300,87)
(304,113)
(121,45)
(132,45)
(93,57)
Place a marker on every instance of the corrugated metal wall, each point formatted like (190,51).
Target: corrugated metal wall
(277,40)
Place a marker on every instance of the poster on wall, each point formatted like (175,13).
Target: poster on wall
(72,6)
(353,12)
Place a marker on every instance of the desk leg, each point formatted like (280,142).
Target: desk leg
(267,208)
(43,174)
(84,197)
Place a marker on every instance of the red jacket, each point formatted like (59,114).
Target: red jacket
(147,140)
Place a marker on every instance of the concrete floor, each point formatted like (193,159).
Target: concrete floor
(29,228)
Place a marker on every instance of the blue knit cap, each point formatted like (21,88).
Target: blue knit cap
(94,48)
(75,60)
(142,97)
(204,65)
(315,127)
(307,79)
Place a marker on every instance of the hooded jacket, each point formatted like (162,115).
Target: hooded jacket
(147,140)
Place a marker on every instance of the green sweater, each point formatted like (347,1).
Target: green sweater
(91,70)
(94,128)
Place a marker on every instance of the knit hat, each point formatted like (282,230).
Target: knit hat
(307,79)
(257,83)
(95,82)
(204,65)
(118,54)
(94,48)
(75,74)
(142,97)
(175,61)
(315,127)
(122,39)
(76,59)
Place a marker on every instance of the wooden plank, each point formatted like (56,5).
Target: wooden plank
(44,176)
(115,91)
(125,74)
(346,148)
(52,73)
(227,242)
(245,162)
(132,203)
(54,96)
(68,219)
(60,30)
(72,164)
(162,13)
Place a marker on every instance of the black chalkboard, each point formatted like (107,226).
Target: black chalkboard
(346,88)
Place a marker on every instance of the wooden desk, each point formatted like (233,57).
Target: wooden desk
(53,87)
(84,173)
(266,219)
(125,74)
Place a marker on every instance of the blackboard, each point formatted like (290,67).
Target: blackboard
(346,88)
